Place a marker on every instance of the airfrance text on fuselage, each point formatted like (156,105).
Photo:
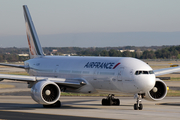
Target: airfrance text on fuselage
(101,65)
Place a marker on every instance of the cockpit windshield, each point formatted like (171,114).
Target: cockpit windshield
(143,72)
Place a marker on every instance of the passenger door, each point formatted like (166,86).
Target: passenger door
(120,78)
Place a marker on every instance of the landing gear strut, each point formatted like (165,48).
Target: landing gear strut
(110,100)
(138,105)
(55,105)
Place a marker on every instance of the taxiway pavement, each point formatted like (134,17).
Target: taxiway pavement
(23,107)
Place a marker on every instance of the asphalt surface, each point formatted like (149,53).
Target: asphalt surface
(32,116)
(23,107)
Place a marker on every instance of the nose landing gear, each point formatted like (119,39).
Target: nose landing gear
(110,100)
(138,105)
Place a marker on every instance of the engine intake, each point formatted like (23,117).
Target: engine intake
(45,92)
(158,92)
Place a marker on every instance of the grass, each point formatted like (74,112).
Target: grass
(15,73)
(173,93)
(80,94)
(95,95)
(170,93)
(175,79)
(6,86)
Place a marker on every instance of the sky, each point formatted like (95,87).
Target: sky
(92,23)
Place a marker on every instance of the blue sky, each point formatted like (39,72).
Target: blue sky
(59,19)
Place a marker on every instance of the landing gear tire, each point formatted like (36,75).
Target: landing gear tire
(110,100)
(104,102)
(117,102)
(135,107)
(55,105)
(140,106)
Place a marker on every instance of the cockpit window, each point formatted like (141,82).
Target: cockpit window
(143,72)
(137,72)
(151,72)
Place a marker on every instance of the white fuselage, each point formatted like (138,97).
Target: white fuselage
(105,74)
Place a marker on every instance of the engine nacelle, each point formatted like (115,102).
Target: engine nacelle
(45,92)
(158,92)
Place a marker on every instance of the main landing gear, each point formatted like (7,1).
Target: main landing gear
(110,100)
(55,105)
(138,105)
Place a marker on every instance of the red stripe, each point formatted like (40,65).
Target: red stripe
(116,65)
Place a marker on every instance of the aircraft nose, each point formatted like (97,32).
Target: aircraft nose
(146,83)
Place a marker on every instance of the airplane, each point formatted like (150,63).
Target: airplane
(51,75)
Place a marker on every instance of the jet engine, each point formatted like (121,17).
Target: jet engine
(158,92)
(45,92)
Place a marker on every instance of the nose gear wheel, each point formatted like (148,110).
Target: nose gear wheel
(138,105)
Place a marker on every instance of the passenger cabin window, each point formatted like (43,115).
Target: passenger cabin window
(144,72)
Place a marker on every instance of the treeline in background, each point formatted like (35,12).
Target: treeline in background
(153,52)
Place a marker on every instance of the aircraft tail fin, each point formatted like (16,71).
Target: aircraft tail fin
(35,49)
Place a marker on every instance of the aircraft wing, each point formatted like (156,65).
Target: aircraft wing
(18,77)
(166,71)
(72,83)
(12,65)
